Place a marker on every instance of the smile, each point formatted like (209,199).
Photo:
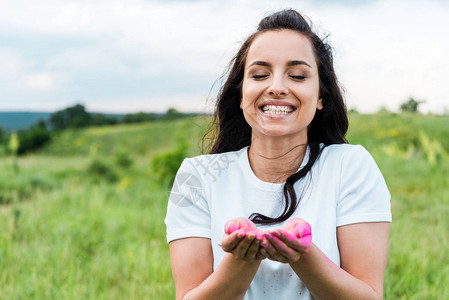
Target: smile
(277,109)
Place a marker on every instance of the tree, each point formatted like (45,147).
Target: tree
(139,117)
(3,135)
(71,117)
(33,138)
(411,105)
(100,119)
(173,114)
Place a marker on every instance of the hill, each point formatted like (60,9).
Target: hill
(11,121)
(409,134)
(15,120)
(84,217)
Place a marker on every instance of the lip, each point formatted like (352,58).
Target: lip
(276,103)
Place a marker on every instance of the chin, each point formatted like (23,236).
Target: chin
(275,132)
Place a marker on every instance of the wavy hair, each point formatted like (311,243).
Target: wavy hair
(231,132)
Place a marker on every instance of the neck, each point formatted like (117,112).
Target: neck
(274,159)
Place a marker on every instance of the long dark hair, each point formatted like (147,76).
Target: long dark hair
(329,125)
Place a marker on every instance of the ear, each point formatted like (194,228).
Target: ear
(241,103)
(319,105)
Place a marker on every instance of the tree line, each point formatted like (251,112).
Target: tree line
(39,134)
(74,117)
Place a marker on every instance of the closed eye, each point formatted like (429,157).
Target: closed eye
(298,77)
(260,76)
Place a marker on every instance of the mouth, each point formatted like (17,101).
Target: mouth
(277,109)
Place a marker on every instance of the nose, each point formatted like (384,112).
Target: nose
(277,87)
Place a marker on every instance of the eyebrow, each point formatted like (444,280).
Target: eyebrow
(289,64)
(298,62)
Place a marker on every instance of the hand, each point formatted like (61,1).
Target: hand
(288,244)
(242,239)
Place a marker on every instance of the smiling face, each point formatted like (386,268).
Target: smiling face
(280,91)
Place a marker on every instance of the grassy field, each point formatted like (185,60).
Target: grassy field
(83,218)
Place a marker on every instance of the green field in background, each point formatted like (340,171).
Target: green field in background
(83,218)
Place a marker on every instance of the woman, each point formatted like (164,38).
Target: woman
(283,207)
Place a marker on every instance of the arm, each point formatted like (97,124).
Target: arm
(363,251)
(192,267)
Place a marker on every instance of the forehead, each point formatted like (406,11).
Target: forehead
(281,46)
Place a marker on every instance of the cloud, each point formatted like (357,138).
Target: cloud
(18,74)
(40,81)
(389,56)
(151,103)
(55,52)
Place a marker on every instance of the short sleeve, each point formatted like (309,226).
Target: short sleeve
(363,196)
(187,211)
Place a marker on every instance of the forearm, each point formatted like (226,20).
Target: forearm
(326,280)
(230,280)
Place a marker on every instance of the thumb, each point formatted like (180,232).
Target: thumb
(303,229)
(230,227)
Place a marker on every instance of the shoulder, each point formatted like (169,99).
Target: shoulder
(212,164)
(346,153)
(353,163)
(344,149)
(347,160)
(210,158)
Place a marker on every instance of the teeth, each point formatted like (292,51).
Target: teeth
(277,109)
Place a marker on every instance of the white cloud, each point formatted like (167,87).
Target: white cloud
(385,51)
(160,104)
(40,81)
(11,64)
(19,75)
(86,59)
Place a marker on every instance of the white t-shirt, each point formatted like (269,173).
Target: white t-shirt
(344,186)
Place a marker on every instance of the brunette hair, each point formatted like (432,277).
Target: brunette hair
(329,125)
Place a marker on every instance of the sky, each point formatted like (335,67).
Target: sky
(150,55)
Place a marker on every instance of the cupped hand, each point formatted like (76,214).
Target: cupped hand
(288,244)
(242,239)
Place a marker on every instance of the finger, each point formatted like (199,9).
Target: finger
(303,229)
(288,238)
(230,241)
(290,253)
(264,253)
(263,241)
(260,255)
(306,242)
(239,223)
(301,244)
(267,255)
(259,235)
(230,227)
(273,247)
(275,239)
(246,224)
(242,247)
(253,250)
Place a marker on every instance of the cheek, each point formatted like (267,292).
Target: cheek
(251,92)
(308,95)
(248,98)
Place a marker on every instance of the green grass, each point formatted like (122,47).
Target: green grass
(141,139)
(99,242)
(69,232)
